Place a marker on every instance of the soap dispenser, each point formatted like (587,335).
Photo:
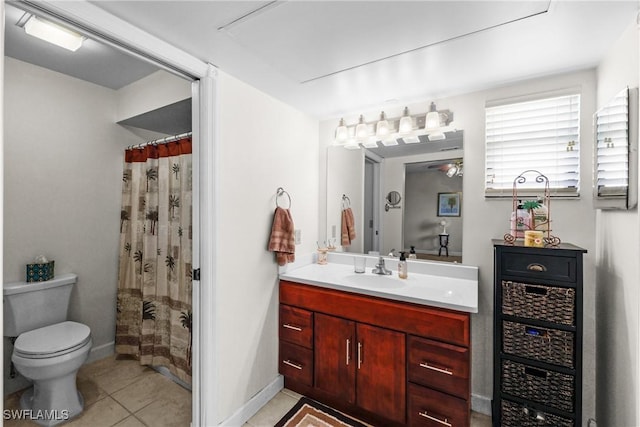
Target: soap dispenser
(402,267)
(412,253)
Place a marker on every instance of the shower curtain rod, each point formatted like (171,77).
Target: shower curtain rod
(161,140)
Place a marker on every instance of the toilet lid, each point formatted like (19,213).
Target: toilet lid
(53,340)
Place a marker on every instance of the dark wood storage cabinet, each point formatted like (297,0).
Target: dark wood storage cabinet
(387,362)
(537,336)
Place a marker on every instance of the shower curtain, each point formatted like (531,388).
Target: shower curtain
(155,275)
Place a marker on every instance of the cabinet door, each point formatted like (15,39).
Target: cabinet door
(335,362)
(381,378)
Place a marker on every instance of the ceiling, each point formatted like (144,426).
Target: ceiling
(329,58)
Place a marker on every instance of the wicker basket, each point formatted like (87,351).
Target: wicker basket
(514,415)
(543,344)
(548,303)
(548,387)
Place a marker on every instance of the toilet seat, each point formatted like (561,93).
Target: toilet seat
(52,341)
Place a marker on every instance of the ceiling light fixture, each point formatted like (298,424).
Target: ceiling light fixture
(454,169)
(52,33)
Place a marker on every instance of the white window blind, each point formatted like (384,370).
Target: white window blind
(612,147)
(542,135)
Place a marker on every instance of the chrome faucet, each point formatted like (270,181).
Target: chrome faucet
(380,268)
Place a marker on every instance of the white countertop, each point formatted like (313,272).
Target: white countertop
(445,285)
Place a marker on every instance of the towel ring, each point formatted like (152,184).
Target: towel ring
(279,192)
(346,202)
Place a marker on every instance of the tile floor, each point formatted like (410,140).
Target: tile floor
(120,392)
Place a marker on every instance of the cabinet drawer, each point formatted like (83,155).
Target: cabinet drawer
(540,385)
(296,326)
(431,408)
(517,415)
(543,344)
(540,266)
(550,303)
(296,363)
(438,365)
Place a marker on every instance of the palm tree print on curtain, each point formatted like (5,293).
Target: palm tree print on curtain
(154,316)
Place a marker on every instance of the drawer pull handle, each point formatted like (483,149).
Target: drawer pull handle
(444,422)
(535,372)
(348,347)
(295,328)
(433,368)
(536,267)
(293,365)
(539,416)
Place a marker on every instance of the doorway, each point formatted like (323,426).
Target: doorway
(371,239)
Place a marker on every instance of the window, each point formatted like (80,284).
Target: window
(542,135)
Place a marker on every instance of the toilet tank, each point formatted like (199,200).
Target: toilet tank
(32,305)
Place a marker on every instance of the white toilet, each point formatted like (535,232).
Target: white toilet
(48,350)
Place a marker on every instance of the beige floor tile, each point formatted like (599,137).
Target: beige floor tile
(273,411)
(98,367)
(104,413)
(12,402)
(480,420)
(90,391)
(126,372)
(173,409)
(130,422)
(291,393)
(147,389)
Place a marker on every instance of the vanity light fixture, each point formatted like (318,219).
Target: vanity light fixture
(342,133)
(389,132)
(50,32)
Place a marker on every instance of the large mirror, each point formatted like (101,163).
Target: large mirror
(616,152)
(418,176)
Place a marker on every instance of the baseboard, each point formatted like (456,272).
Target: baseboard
(101,351)
(481,404)
(249,409)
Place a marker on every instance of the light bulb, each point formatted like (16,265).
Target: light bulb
(406,122)
(382,127)
(342,133)
(361,129)
(432,121)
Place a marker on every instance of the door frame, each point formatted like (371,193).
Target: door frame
(122,35)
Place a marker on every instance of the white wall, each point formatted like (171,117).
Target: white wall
(489,219)
(150,93)
(63,158)
(618,271)
(264,144)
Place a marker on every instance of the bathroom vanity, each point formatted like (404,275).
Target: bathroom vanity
(374,347)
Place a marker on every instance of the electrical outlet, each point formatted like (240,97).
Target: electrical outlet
(298,236)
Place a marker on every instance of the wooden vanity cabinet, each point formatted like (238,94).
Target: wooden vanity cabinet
(387,362)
